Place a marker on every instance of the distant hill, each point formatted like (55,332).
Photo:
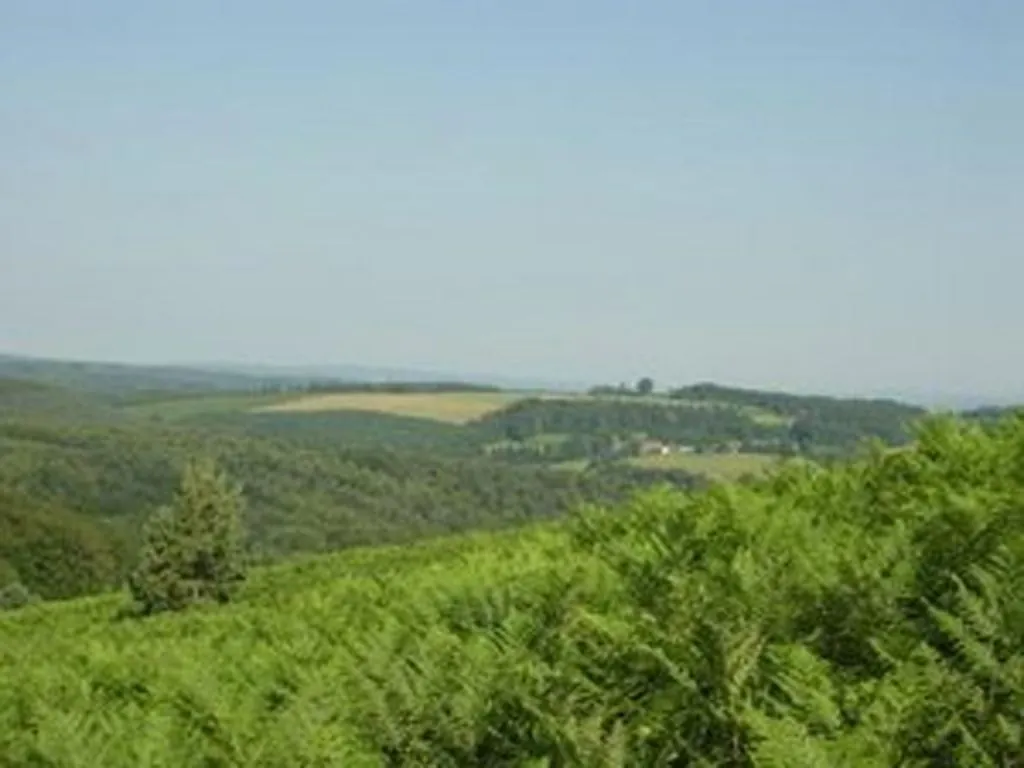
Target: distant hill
(110,378)
(113,377)
(938,400)
(22,399)
(702,418)
(360,373)
(992,414)
(795,406)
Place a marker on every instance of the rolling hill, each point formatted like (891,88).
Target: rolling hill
(338,464)
(117,378)
(303,496)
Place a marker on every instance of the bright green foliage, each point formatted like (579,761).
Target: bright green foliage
(867,614)
(194,549)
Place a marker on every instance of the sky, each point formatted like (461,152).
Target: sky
(817,196)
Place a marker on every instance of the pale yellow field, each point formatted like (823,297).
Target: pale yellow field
(451,407)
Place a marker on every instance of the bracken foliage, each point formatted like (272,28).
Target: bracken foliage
(867,614)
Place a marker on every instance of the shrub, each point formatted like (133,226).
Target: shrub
(15,595)
(193,549)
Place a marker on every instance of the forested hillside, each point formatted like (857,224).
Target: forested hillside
(817,419)
(301,499)
(596,417)
(31,400)
(82,468)
(704,418)
(867,614)
(80,472)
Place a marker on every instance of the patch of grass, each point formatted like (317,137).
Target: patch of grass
(573,465)
(725,467)
(451,407)
(766,418)
(536,442)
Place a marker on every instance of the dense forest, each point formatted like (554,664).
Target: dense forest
(354,429)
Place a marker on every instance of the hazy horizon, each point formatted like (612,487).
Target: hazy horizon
(930,398)
(793,196)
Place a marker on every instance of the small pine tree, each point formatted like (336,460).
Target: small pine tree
(193,550)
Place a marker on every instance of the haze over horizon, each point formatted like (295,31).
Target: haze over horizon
(793,196)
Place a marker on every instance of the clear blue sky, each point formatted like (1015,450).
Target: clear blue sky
(815,195)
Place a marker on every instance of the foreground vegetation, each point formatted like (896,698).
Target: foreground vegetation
(867,614)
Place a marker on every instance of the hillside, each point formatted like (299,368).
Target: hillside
(701,418)
(22,399)
(465,420)
(81,468)
(303,497)
(832,420)
(121,378)
(546,428)
(868,614)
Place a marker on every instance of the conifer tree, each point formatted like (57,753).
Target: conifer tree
(193,550)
